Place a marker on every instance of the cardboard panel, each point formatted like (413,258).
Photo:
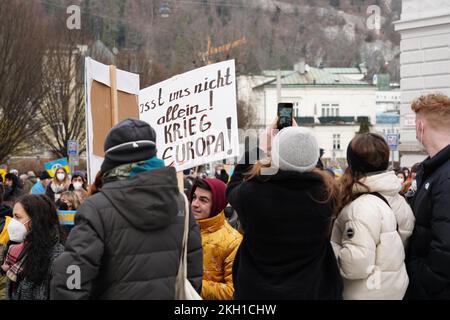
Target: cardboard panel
(128,106)
(101,115)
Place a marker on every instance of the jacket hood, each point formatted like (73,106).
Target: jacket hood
(148,200)
(385,183)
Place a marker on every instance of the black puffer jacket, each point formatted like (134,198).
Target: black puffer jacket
(428,258)
(127,242)
(285,252)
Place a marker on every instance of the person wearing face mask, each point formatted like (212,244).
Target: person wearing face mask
(78,186)
(413,187)
(36,239)
(404,181)
(5,219)
(70,199)
(428,257)
(58,185)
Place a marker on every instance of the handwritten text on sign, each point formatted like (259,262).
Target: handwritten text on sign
(194,116)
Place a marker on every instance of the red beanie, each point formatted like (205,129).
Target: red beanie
(219,201)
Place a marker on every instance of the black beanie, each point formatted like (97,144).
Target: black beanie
(359,164)
(128,141)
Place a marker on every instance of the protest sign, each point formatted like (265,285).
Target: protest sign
(67,217)
(111,96)
(52,166)
(194,115)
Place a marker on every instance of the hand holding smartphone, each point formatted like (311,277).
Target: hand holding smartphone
(285,113)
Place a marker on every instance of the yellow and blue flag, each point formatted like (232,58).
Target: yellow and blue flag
(67,217)
(52,166)
(3,173)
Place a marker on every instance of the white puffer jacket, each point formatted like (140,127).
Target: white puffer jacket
(369,249)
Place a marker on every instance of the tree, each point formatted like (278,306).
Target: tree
(245,114)
(22,48)
(62,108)
(364,125)
(335,3)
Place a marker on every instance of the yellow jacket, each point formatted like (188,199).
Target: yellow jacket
(220,243)
(4,236)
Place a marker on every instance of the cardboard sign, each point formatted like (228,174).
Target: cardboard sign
(99,110)
(72,148)
(392,141)
(194,115)
(52,166)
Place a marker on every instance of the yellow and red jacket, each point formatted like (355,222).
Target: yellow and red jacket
(220,242)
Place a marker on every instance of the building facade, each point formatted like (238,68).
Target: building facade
(331,101)
(425,63)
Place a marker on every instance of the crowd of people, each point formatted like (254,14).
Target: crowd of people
(284,227)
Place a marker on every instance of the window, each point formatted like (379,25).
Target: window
(325,107)
(336,142)
(330,110)
(335,108)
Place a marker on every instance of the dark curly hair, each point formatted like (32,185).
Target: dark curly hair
(44,234)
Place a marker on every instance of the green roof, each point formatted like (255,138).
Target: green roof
(274,73)
(312,77)
(343,70)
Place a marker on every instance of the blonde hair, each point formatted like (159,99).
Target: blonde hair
(73,199)
(434,107)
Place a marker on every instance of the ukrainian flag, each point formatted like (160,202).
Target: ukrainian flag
(3,173)
(66,217)
(52,166)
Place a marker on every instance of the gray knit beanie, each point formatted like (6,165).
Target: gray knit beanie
(295,149)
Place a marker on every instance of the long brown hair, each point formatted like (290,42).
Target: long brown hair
(98,183)
(375,152)
(44,234)
(331,189)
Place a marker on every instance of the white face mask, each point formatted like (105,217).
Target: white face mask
(17,230)
(414,185)
(60,176)
(77,185)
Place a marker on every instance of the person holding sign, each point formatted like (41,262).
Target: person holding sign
(219,240)
(126,243)
(285,206)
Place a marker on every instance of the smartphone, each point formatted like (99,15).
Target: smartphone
(285,112)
